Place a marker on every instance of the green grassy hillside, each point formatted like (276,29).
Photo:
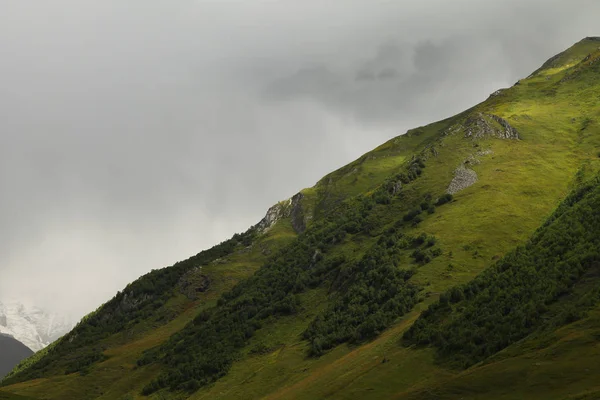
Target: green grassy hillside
(463,226)
(550,281)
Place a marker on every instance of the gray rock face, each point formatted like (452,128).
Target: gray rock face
(477,127)
(481,125)
(473,159)
(463,178)
(509,131)
(273,215)
(297,213)
(497,93)
(452,130)
(291,208)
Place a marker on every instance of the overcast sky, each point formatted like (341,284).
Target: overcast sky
(136,133)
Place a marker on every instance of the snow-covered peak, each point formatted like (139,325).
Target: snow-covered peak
(30,325)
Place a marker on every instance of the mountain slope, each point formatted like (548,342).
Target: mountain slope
(12,352)
(313,301)
(548,282)
(31,326)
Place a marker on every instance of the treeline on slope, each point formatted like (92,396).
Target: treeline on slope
(374,292)
(139,301)
(383,194)
(549,282)
(205,349)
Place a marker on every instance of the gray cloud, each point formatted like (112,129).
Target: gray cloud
(134,134)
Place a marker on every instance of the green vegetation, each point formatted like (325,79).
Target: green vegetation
(322,314)
(530,288)
(139,301)
(374,292)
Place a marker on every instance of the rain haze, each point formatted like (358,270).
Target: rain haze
(134,134)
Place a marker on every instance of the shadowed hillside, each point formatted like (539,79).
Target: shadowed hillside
(12,352)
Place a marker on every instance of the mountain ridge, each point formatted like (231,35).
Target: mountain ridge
(321,313)
(32,326)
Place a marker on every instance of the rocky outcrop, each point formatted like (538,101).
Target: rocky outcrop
(473,159)
(274,214)
(297,213)
(477,127)
(480,125)
(463,178)
(452,130)
(291,208)
(497,93)
(509,131)
(131,301)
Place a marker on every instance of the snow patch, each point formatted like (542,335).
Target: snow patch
(32,326)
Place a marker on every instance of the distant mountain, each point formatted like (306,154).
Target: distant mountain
(11,353)
(32,326)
